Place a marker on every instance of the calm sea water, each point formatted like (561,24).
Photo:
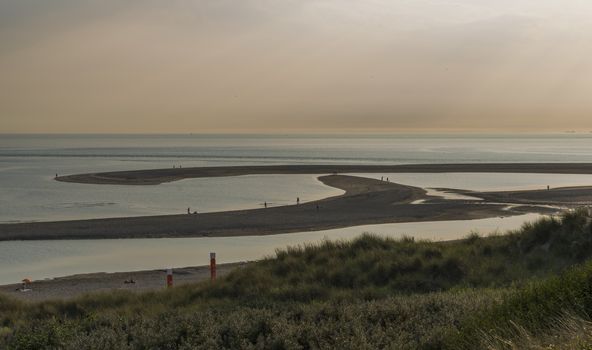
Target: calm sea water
(28,192)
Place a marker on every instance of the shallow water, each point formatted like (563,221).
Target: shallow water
(28,164)
(46,199)
(44,259)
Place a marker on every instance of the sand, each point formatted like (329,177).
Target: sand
(157,176)
(365,202)
(77,285)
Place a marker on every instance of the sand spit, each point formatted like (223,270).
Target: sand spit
(158,176)
(365,202)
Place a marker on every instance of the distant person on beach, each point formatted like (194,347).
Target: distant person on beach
(548,188)
(265,204)
(317,207)
(382,178)
(188,210)
(297,200)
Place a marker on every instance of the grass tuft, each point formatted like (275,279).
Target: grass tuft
(530,286)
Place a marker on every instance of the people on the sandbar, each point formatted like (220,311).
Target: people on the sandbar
(265,204)
(297,200)
(548,188)
(382,178)
(188,210)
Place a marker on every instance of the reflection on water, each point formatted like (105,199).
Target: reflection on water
(44,259)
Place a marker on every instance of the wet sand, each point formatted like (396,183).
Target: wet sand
(77,285)
(365,202)
(158,176)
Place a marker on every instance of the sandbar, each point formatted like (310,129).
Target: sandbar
(158,176)
(365,202)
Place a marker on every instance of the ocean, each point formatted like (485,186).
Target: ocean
(28,164)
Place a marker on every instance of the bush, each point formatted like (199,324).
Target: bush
(370,292)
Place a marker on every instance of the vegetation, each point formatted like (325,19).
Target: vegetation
(531,288)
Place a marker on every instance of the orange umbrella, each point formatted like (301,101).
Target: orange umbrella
(26,280)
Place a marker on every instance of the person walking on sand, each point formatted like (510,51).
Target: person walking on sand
(297,200)
(188,210)
(265,204)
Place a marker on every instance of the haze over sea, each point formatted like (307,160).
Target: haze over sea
(28,164)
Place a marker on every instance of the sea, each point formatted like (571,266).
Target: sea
(29,193)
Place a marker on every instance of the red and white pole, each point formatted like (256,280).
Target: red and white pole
(169,278)
(212,266)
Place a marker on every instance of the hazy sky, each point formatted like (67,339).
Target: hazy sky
(295,65)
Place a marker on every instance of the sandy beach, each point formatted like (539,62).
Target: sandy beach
(76,285)
(365,201)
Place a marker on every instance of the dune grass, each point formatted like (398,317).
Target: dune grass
(542,313)
(498,291)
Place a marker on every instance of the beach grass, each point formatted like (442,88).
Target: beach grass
(532,286)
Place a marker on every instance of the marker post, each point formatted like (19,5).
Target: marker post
(169,278)
(213,266)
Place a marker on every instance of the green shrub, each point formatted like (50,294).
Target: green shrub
(370,292)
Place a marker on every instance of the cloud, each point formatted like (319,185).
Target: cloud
(181,65)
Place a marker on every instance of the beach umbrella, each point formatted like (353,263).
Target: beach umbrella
(26,280)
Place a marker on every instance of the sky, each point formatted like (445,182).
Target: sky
(199,66)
